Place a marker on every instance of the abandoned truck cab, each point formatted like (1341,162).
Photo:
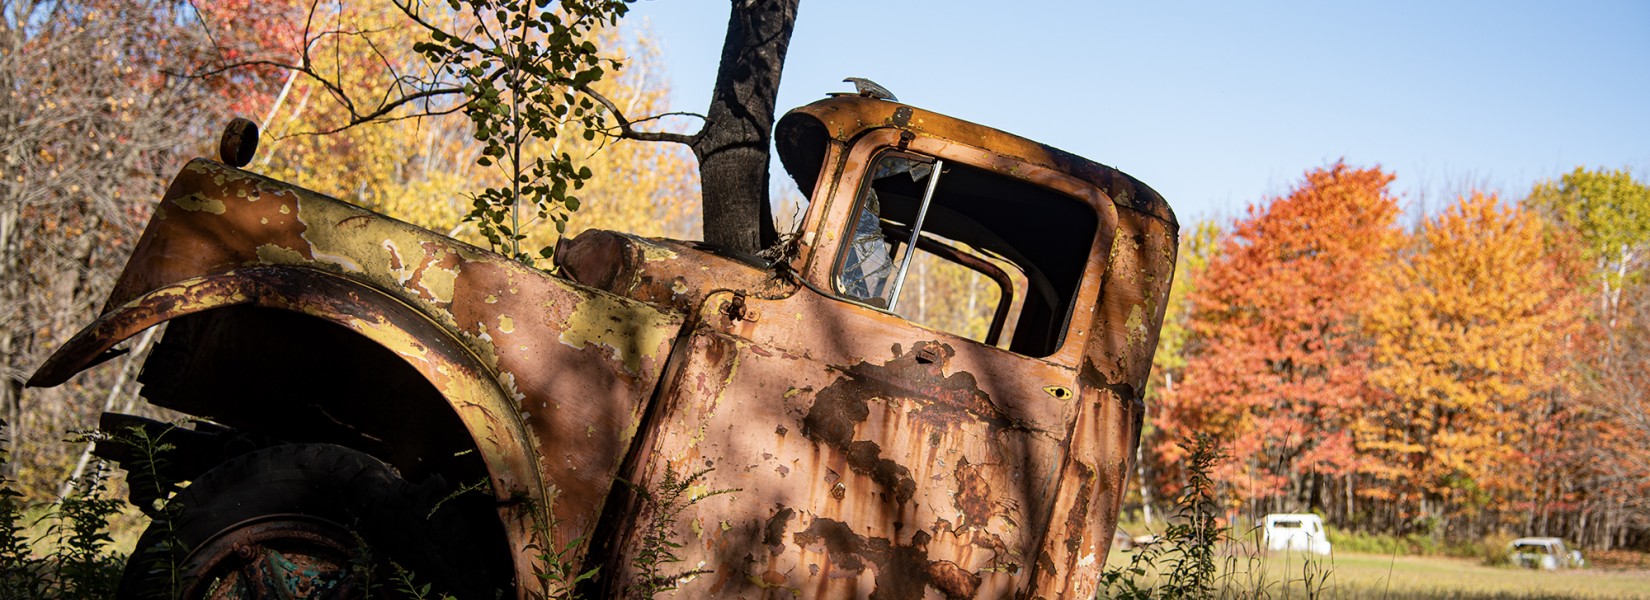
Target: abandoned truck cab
(861,445)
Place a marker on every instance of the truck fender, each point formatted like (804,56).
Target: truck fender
(471,389)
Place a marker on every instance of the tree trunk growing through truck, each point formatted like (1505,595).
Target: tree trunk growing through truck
(733,146)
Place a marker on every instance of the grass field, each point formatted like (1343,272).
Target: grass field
(1369,576)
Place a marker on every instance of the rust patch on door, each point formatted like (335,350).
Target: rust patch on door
(903,572)
(973,497)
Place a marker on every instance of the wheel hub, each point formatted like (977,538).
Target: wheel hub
(281,556)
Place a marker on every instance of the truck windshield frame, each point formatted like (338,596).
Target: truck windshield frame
(931,201)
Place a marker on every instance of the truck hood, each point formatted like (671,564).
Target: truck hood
(668,274)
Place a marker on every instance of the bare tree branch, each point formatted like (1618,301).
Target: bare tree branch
(627,129)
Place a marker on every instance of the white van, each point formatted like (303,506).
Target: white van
(1296,533)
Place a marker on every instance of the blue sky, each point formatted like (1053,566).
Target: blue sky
(1219,105)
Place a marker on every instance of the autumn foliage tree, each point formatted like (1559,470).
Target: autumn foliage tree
(1481,374)
(1163,401)
(1606,216)
(1469,408)
(422,168)
(1277,360)
(1616,510)
(92,126)
(530,70)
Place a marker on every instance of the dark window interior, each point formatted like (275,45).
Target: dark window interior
(1045,234)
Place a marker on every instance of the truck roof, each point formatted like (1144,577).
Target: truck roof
(802,135)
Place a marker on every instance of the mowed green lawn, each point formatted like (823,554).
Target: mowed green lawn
(1370,576)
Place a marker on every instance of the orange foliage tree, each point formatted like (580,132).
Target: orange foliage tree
(1163,405)
(1276,358)
(1468,333)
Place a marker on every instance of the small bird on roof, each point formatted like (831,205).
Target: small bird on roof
(870,89)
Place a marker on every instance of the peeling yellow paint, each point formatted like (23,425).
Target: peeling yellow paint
(1136,325)
(484,346)
(397,264)
(387,254)
(271,254)
(628,434)
(198,203)
(506,324)
(316,229)
(651,252)
(393,338)
(439,282)
(509,380)
(628,333)
(342,261)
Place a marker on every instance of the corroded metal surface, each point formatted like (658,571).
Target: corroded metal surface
(874,458)
(665,273)
(550,378)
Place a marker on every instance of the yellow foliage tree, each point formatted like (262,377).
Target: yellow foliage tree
(423,170)
(1465,337)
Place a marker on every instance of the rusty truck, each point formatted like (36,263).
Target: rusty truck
(372,399)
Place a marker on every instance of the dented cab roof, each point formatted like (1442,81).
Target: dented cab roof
(804,133)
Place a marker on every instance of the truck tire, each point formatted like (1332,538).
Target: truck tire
(317,521)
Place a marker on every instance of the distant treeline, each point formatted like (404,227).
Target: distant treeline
(1485,371)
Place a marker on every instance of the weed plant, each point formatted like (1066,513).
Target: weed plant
(1182,562)
(557,568)
(80,564)
(675,494)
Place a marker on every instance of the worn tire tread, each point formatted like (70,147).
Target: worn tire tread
(350,488)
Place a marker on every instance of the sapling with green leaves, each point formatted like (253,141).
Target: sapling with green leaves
(521,66)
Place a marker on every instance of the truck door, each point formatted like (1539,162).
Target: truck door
(898,424)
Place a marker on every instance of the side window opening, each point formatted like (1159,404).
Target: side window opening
(995,259)
(958,289)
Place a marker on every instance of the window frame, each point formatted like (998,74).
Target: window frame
(835,211)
